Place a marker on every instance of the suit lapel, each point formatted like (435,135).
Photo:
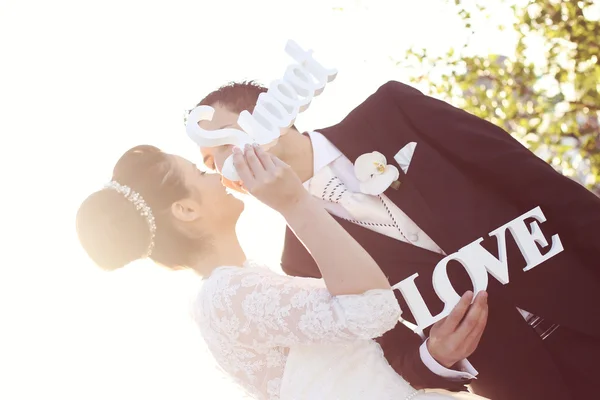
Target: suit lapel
(407,196)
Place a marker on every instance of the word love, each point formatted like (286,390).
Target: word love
(478,262)
(274,110)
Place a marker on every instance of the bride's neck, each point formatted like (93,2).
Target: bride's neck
(224,250)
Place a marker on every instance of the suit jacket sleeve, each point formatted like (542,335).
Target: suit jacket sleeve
(400,345)
(491,155)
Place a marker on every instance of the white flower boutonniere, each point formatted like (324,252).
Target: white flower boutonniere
(374,174)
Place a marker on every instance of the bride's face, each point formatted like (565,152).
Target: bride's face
(214,208)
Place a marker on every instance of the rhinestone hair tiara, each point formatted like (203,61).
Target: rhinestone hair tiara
(138,201)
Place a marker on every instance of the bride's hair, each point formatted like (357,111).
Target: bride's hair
(114,233)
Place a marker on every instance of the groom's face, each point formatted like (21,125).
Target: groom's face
(214,157)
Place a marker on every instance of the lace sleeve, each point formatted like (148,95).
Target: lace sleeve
(255,305)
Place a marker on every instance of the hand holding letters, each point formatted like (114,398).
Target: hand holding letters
(477,261)
(456,337)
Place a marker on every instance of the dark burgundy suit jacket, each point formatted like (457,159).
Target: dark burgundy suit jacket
(468,177)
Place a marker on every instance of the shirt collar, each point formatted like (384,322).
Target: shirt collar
(324,152)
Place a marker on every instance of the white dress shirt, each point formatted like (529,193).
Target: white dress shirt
(325,154)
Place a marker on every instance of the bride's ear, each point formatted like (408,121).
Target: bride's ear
(186,210)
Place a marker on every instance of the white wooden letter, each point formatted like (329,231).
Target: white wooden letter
(219,137)
(415,302)
(528,240)
(277,114)
(443,287)
(287,96)
(274,110)
(321,74)
(474,253)
(258,125)
(302,83)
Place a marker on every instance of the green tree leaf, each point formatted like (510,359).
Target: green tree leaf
(552,106)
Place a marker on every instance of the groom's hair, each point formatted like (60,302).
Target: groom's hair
(235,96)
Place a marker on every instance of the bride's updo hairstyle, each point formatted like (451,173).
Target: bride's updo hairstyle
(112,226)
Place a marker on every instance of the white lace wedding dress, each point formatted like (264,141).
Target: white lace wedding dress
(287,338)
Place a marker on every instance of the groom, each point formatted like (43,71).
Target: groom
(459,178)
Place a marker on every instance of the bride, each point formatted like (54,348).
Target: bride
(279,337)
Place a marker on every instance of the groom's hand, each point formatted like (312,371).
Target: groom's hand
(456,337)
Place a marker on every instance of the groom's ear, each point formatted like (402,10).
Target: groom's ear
(186,210)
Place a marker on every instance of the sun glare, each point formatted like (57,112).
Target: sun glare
(85,82)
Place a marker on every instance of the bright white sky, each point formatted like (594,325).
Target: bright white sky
(83,81)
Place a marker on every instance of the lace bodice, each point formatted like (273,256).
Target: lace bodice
(250,317)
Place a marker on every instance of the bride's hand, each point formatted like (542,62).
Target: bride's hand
(269,179)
